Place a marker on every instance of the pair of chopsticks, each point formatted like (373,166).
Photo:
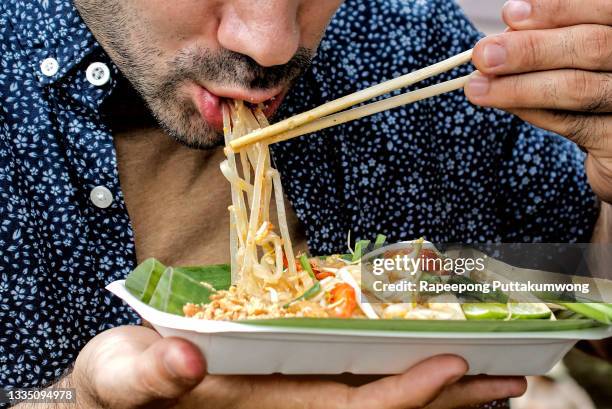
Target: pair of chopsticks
(328,114)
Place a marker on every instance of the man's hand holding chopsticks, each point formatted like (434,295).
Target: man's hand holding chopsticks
(553,68)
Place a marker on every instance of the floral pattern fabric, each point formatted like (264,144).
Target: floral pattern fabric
(441,168)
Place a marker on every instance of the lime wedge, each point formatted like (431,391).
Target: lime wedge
(529,311)
(485,311)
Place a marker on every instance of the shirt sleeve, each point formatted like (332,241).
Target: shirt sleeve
(545,188)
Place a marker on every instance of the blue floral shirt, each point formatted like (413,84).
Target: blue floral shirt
(441,168)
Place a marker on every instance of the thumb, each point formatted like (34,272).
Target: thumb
(133,367)
(164,372)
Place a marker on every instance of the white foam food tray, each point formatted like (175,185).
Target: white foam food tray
(238,348)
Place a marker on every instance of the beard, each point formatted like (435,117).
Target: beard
(160,80)
(176,112)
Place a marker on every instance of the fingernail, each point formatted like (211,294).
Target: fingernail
(495,55)
(479,85)
(517,10)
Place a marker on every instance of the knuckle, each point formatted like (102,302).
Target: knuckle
(577,128)
(549,90)
(577,80)
(554,10)
(527,90)
(531,50)
(596,43)
(606,93)
(607,11)
(586,90)
(600,131)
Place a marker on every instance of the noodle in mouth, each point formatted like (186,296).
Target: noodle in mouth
(263,263)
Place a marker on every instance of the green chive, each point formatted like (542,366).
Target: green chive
(310,293)
(380,240)
(360,246)
(306,265)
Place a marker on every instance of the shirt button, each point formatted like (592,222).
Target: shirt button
(49,67)
(101,197)
(98,74)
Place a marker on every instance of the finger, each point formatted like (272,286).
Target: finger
(478,390)
(134,367)
(592,132)
(542,14)
(586,47)
(165,371)
(571,90)
(413,389)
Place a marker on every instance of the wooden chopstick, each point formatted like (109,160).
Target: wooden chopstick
(350,100)
(371,109)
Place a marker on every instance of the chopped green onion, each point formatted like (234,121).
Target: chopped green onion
(306,265)
(380,240)
(311,292)
(360,246)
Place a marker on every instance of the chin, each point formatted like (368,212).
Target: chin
(201,141)
(190,130)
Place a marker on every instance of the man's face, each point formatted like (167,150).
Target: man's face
(186,56)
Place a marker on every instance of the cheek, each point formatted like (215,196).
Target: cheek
(314,17)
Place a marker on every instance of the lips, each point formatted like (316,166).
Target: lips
(210,108)
(210,102)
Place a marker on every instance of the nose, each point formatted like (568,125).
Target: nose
(265,30)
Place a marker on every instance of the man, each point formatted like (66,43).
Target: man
(81,164)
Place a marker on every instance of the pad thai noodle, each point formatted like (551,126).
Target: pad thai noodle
(268,280)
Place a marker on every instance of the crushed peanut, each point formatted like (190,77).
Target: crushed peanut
(233,305)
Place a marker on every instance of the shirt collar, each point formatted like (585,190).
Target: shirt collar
(54,29)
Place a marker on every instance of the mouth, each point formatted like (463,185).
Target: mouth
(210,102)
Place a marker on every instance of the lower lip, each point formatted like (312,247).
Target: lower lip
(211,107)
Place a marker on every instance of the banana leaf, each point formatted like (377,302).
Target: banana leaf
(142,281)
(175,287)
(428,326)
